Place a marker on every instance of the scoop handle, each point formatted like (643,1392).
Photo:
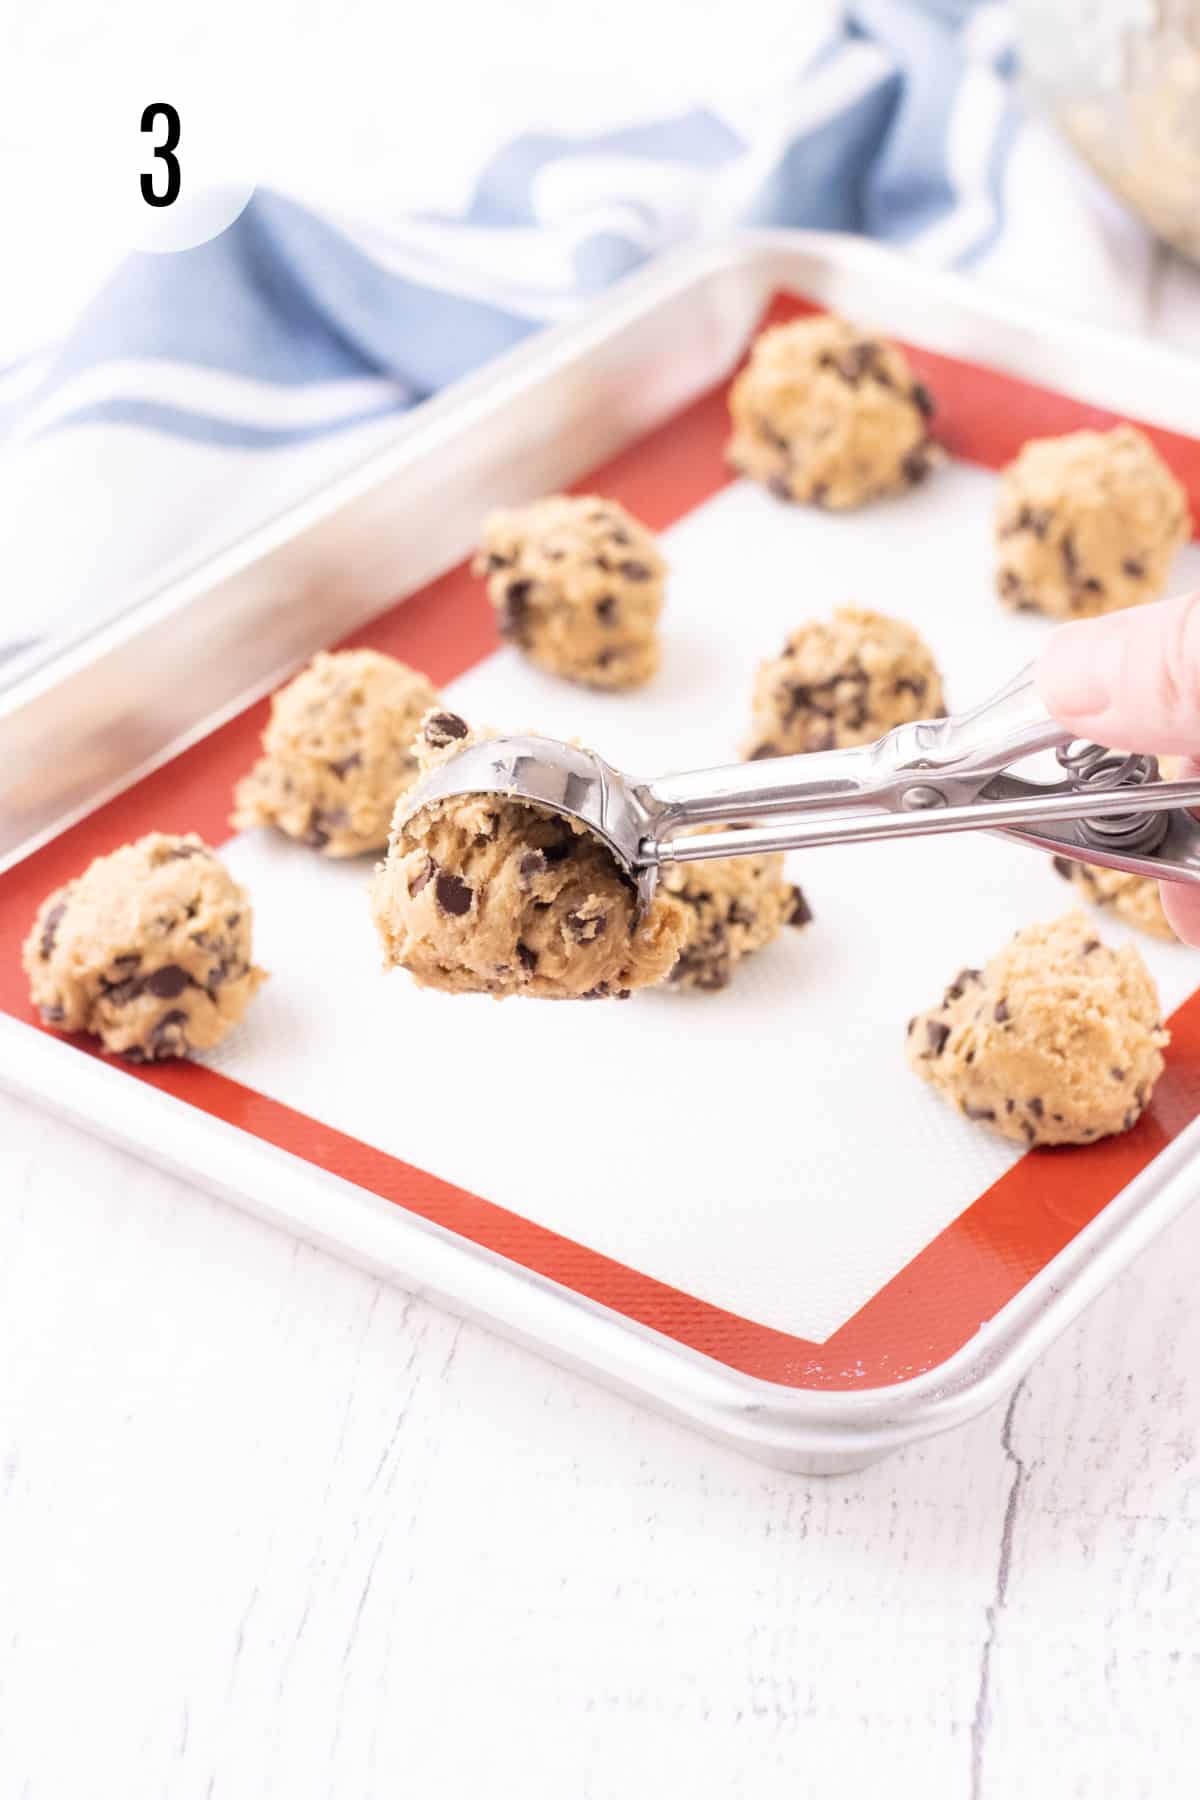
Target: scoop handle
(961,753)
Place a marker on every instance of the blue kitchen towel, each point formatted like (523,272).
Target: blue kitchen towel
(869,138)
(293,327)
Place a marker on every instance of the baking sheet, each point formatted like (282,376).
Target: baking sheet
(752,1175)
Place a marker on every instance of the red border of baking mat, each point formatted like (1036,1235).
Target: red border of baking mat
(980,1261)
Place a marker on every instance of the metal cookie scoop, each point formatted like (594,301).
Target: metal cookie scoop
(934,775)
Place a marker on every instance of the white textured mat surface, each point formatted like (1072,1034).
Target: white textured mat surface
(764,1148)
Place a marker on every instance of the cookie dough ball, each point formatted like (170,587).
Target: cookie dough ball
(843,682)
(1057,1041)
(149,950)
(338,752)
(826,413)
(494,896)
(1134,898)
(735,905)
(578,586)
(1087,523)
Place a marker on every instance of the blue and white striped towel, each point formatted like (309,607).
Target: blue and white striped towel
(201,390)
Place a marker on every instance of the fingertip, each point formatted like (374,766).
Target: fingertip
(1181,903)
(1072,673)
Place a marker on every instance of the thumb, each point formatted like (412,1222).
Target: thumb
(1131,679)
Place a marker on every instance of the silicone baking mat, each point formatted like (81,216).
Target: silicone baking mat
(753,1173)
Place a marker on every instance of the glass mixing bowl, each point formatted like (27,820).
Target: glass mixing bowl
(1122,80)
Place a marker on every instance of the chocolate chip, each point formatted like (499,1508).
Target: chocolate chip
(1010,1106)
(958,987)
(167,983)
(936,1036)
(122,992)
(768,433)
(799,911)
(422,878)
(1027,1131)
(1069,554)
(606,609)
(1001,1013)
(52,1015)
(345,764)
(1034,519)
(618,533)
(916,685)
(780,487)
(233,919)
(453,895)
(741,914)
(315,834)
(50,927)
(1118,1074)
(496,561)
(1092,944)
(922,399)
(636,571)
(181,852)
(220,975)
(820,493)
(855,361)
(444,728)
(527,958)
(514,618)
(531,865)
(1133,568)
(763,752)
(915,466)
(168,1037)
(911,1026)
(585,928)
(1008,583)
(979,1112)
(1037,1106)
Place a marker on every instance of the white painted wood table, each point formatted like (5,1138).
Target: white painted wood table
(269,1527)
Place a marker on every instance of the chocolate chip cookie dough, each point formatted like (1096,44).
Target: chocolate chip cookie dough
(828,414)
(1087,523)
(577,584)
(842,682)
(1057,1041)
(337,752)
(149,950)
(1134,898)
(493,896)
(735,905)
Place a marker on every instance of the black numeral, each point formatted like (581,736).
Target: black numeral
(165,150)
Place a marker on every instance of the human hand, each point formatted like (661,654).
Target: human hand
(1132,680)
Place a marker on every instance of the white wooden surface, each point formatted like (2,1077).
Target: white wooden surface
(270,1528)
